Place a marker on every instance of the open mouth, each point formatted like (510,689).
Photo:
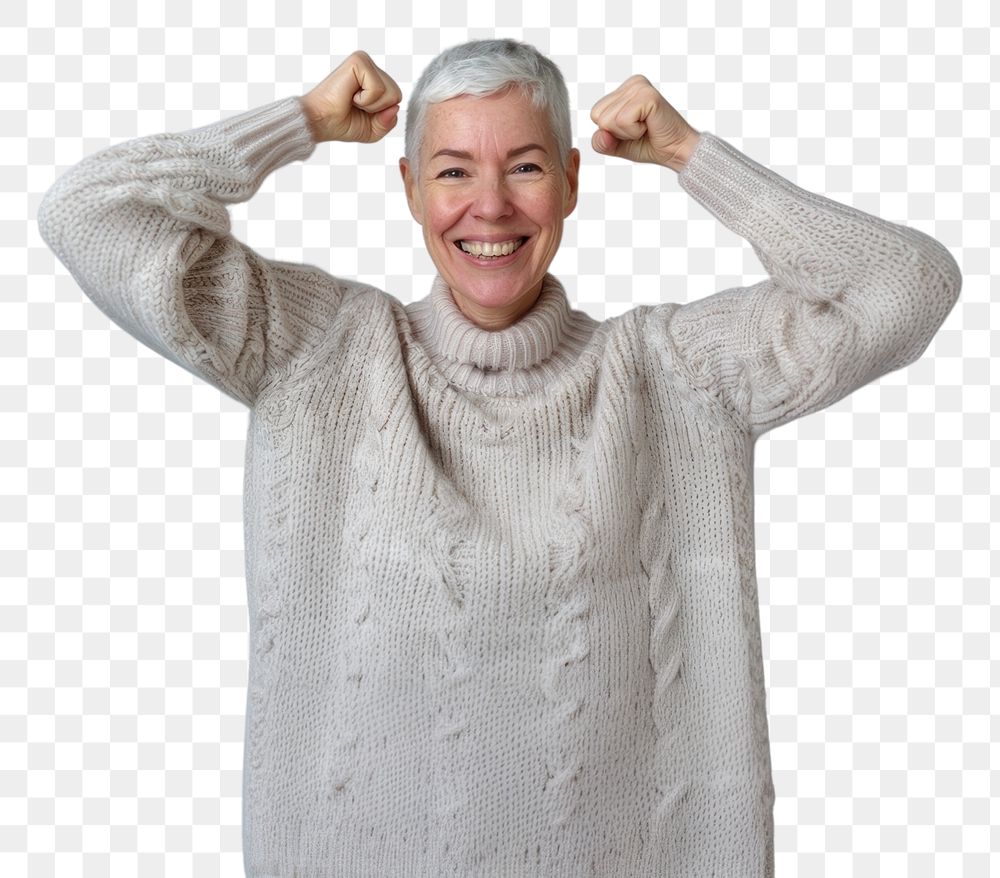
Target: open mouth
(485,251)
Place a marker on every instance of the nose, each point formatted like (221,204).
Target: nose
(491,199)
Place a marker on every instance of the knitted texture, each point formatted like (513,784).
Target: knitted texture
(501,587)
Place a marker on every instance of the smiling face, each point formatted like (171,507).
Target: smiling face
(491,196)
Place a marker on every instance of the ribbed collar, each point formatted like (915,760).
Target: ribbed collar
(521,358)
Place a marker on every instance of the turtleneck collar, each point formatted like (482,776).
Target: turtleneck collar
(520,358)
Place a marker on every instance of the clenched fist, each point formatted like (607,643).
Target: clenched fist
(357,103)
(636,122)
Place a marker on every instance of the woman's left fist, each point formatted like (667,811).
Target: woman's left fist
(636,122)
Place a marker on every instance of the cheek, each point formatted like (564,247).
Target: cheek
(441,214)
(546,207)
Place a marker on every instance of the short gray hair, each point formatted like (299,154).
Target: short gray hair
(486,67)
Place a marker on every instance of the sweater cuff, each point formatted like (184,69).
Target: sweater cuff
(263,139)
(730,185)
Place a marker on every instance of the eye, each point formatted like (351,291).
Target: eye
(452,172)
(528,167)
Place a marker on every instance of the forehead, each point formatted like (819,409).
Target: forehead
(474,124)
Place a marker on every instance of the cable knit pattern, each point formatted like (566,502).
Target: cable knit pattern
(567,605)
(503,613)
(454,670)
(275,415)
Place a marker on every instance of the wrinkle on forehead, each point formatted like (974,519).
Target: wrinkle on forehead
(463,123)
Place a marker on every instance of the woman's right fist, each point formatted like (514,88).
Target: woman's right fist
(357,103)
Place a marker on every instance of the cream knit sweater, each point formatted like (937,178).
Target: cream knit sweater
(502,594)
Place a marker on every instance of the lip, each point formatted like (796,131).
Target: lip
(493,262)
(490,239)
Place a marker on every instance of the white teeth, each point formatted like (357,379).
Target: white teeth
(485,248)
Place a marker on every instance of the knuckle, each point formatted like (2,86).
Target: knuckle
(363,60)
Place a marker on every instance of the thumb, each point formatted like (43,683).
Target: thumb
(605,142)
(385,120)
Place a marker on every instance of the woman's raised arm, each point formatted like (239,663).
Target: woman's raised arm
(850,296)
(144,229)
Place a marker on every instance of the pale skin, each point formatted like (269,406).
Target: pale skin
(490,174)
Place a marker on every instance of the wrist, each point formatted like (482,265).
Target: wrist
(312,117)
(680,157)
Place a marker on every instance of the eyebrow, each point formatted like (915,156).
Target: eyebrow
(461,154)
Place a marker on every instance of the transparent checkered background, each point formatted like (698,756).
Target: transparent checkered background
(123,600)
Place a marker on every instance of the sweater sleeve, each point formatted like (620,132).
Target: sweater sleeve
(143,228)
(850,296)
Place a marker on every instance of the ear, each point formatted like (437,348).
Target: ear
(410,185)
(572,181)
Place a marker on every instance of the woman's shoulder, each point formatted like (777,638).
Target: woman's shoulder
(365,311)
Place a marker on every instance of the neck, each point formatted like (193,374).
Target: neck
(495,319)
(521,357)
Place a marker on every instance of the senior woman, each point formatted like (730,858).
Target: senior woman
(500,560)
